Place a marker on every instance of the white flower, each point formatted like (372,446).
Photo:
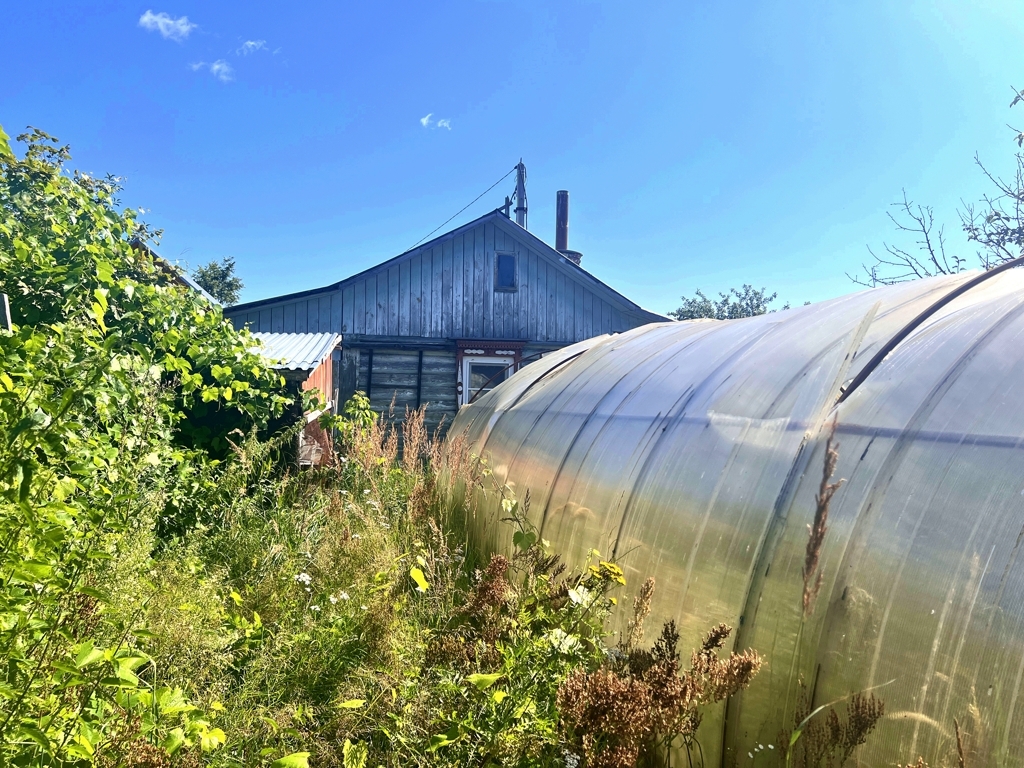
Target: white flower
(582,596)
(314,607)
(304,578)
(374,504)
(344,493)
(333,599)
(343,596)
(366,492)
(356,537)
(362,607)
(571,760)
(562,642)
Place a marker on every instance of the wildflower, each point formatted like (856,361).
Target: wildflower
(343,596)
(356,537)
(562,642)
(362,607)
(333,600)
(303,578)
(314,607)
(582,596)
(344,493)
(366,492)
(572,760)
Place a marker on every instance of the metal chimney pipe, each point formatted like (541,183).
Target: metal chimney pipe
(562,221)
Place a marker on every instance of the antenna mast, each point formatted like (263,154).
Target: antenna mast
(521,194)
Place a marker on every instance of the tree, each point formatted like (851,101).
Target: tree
(995,224)
(737,303)
(220,281)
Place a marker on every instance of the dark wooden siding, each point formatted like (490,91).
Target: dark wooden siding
(447,291)
(394,379)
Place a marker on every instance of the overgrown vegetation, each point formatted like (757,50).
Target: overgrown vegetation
(172,592)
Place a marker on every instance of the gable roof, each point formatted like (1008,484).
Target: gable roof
(498,218)
(180,276)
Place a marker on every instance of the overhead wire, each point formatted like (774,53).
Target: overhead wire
(462,209)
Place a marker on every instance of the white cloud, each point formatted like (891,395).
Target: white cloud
(169,28)
(222,70)
(251,46)
(219,69)
(429,122)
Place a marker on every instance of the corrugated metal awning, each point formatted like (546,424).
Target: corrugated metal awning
(297,351)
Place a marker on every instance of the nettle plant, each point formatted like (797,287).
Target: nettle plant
(116,386)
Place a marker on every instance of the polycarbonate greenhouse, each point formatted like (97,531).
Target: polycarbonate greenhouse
(693,452)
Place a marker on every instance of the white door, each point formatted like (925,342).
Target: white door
(482,373)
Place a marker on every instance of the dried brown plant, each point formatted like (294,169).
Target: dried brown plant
(493,590)
(959,745)
(654,701)
(415,440)
(641,609)
(816,531)
(829,740)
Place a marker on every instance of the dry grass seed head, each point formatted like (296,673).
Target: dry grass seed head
(641,610)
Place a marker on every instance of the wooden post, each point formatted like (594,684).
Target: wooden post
(419,380)
(369,373)
(5,313)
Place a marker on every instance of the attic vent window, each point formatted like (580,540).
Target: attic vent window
(505,272)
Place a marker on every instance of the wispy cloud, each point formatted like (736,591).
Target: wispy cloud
(222,71)
(251,46)
(428,122)
(219,69)
(169,28)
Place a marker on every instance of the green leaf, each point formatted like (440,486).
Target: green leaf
(421,582)
(212,739)
(524,539)
(499,696)
(482,682)
(352,704)
(5,145)
(87,655)
(175,739)
(354,755)
(294,760)
(36,735)
(31,572)
(437,741)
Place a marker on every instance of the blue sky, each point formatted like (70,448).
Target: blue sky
(704,144)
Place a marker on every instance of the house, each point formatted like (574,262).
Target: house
(453,317)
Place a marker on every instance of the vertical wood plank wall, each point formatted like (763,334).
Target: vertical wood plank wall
(394,376)
(447,291)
